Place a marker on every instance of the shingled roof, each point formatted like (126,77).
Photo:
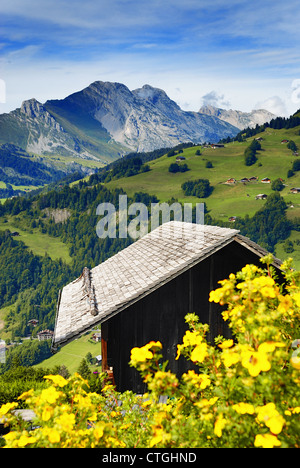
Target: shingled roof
(136,271)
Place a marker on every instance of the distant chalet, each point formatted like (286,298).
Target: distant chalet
(144,292)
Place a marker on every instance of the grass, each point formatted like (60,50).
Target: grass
(39,243)
(72,354)
(274,161)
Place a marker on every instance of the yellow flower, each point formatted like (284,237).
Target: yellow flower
(53,436)
(160,436)
(216,296)
(204,402)
(219,425)
(99,430)
(266,441)
(7,407)
(199,353)
(271,417)
(66,421)
(25,395)
(296,298)
(57,380)
(25,440)
(201,380)
(244,408)
(295,361)
(230,357)
(285,303)
(191,338)
(10,437)
(47,413)
(255,362)
(140,354)
(49,395)
(226,344)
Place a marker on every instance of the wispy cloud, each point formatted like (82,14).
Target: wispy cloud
(197,45)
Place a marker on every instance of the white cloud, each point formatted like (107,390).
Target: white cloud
(273,104)
(295,97)
(214,99)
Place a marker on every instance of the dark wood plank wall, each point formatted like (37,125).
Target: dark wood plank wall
(160,315)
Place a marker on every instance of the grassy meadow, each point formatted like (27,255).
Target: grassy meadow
(72,354)
(274,160)
(37,242)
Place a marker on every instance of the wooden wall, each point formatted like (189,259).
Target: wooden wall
(160,315)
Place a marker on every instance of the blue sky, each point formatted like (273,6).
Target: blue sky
(233,54)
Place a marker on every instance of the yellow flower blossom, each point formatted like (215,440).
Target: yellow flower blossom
(25,440)
(160,436)
(49,395)
(66,421)
(226,344)
(47,413)
(141,354)
(25,395)
(199,353)
(52,434)
(216,295)
(295,361)
(99,430)
(7,407)
(266,441)
(244,408)
(219,425)
(230,357)
(204,402)
(255,362)
(271,417)
(201,380)
(296,298)
(57,380)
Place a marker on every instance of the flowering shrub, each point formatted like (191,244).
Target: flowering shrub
(240,392)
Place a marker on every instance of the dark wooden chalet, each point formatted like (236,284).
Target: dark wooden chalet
(144,292)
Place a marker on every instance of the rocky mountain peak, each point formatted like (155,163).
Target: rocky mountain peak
(32,108)
(237,118)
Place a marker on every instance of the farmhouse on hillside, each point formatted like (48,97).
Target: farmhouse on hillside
(144,292)
(266,180)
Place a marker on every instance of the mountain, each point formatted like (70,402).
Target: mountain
(140,120)
(106,120)
(237,118)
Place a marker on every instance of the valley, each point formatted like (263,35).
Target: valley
(53,231)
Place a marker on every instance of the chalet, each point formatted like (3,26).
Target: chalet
(215,145)
(284,141)
(295,190)
(232,219)
(180,158)
(266,180)
(253,179)
(33,322)
(96,337)
(45,335)
(144,292)
(261,196)
(230,181)
(244,180)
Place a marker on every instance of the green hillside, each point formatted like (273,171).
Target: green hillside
(238,199)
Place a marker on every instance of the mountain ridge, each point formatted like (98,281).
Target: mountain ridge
(237,118)
(105,120)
